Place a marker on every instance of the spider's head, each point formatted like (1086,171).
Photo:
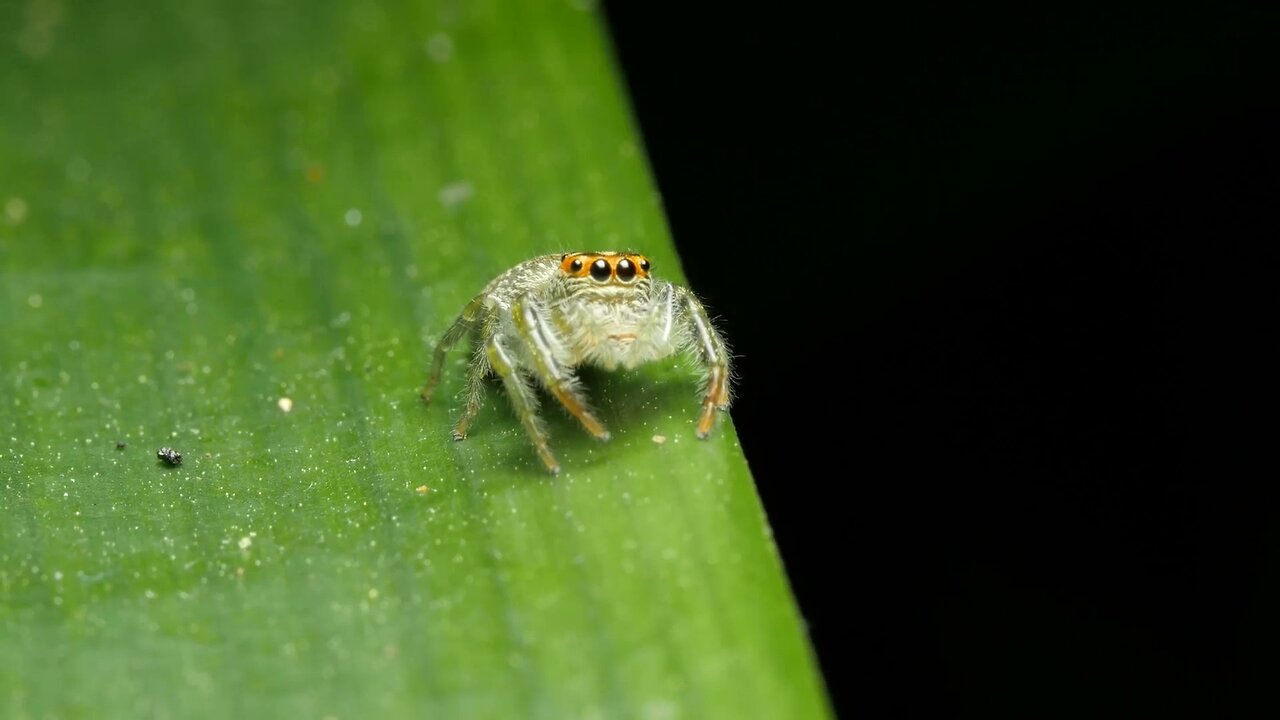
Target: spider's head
(604,269)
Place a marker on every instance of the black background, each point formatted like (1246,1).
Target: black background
(999,282)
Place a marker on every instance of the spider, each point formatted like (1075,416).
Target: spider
(546,316)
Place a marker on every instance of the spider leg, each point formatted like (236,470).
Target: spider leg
(540,338)
(711,350)
(476,374)
(464,322)
(522,399)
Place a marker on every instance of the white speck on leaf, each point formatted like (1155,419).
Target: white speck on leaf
(15,210)
(660,710)
(440,47)
(455,193)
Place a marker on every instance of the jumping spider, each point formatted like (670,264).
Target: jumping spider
(546,316)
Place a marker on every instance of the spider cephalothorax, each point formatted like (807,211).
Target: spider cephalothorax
(546,316)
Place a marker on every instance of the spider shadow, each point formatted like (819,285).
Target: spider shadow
(660,398)
(629,402)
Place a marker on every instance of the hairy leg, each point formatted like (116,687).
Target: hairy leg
(542,341)
(710,348)
(465,322)
(522,399)
(476,374)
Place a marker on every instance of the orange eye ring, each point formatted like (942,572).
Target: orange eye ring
(605,266)
(575,264)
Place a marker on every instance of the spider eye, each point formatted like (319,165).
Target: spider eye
(626,270)
(575,266)
(644,264)
(600,270)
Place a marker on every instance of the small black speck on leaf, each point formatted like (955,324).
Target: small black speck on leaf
(120,444)
(170,456)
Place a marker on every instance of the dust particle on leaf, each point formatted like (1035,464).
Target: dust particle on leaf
(455,193)
(15,210)
(169,456)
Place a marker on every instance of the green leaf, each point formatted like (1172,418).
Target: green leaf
(209,208)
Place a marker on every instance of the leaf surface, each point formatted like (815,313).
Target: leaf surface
(236,230)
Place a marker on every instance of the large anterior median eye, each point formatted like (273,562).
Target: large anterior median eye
(626,270)
(600,270)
